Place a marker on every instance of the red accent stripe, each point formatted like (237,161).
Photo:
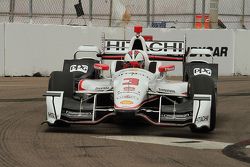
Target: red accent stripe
(153,57)
(116,57)
(165,58)
(80,85)
(101,66)
(166,68)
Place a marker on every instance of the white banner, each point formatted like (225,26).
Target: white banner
(220,42)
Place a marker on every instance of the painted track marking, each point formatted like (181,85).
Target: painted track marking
(170,141)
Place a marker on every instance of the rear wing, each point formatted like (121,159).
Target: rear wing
(163,48)
(87,50)
(156,50)
(206,52)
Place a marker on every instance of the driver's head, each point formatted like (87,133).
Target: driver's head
(134,59)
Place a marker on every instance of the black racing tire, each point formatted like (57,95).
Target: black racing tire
(62,81)
(59,124)
(203,84)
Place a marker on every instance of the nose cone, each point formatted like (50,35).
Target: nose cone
(130,88)
(129,93)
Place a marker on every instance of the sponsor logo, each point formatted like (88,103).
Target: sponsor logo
(171,116)
(128,97)
(83,115)
(204,71)
(217,51)
(166,91)
(51,115)
(127,102)
(102,88)
(129,89)
(77,113)
(154,46)
(163,46)
(80,68)
(131,92)
(134,72)
(202,118)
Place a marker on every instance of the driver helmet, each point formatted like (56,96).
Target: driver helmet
(134,59)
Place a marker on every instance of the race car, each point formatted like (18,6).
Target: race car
(134,85)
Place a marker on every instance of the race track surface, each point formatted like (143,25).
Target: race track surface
(24,142)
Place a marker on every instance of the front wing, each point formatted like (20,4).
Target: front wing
(165,111)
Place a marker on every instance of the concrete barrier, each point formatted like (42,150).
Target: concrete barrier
(2,49)
(242,52)
(26,48)
(36,48)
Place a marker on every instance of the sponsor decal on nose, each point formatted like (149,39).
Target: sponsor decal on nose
(126,102)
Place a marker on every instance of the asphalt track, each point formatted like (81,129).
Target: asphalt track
(24,142)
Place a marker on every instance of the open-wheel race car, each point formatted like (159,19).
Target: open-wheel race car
(136,86)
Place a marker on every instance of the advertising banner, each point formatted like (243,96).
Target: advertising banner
(220,42)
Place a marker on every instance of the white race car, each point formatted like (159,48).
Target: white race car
(135,86)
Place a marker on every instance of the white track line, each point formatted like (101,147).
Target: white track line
(170,141)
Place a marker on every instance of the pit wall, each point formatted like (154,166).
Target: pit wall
(26,48)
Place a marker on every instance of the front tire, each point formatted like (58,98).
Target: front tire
(61,81)
(202,84)
(59,124)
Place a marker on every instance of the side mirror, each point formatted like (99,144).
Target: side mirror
(98,66)
(166,68)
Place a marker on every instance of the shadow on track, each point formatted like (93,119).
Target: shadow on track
(129,128)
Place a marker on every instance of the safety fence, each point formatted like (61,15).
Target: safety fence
(149,13)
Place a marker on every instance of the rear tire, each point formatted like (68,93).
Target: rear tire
(202,84)
(62,81)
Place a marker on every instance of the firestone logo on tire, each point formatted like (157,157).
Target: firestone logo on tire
(79,67)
